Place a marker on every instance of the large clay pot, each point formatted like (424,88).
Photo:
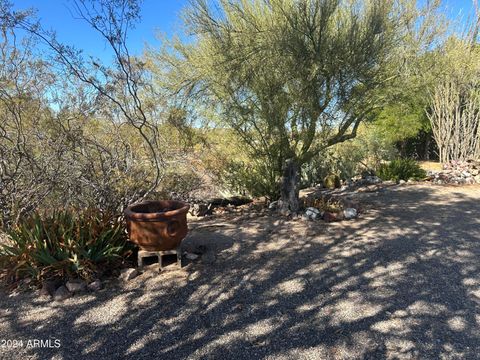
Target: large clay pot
(157,225)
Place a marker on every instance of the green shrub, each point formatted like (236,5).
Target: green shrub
(64,244)
(179,184)
(332,181)
(401,169)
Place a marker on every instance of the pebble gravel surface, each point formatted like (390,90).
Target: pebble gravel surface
(402,281)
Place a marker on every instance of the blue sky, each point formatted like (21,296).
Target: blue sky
(157,15)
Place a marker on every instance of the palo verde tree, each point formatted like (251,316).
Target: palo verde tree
(291,78)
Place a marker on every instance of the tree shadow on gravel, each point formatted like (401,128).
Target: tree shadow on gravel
(403,281)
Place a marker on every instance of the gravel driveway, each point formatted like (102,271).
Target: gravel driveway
(400,282)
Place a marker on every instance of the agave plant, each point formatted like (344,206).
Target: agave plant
(401,169)
(64,243)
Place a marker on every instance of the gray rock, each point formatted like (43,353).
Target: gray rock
(61,294)
(191,256)
(76,286)
(372,180)
(350,213)
(199,209)
(44,291)
(274,205)
(312,213)
(49,287)
(208,257)
(401,182)
(128,274)
(95,285)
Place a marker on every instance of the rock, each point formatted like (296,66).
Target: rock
(128,274)
(44,291)
(76,286)
(238,201)
(191,256)
(208,257)
(373,180)
(200,209)
(470,181)
(401,182)
(49,287)
(61,294)
(95,285)
(274,205)
(312,213)
(477,179)
(350,213)
(331,217)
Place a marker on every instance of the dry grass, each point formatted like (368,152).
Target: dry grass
(430,165)
(3,238)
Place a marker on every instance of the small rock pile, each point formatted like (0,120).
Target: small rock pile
(312,213)
(363,180)
(202,208)
(457,172)
(58,291)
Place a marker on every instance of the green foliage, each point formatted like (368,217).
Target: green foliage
(350,158)
(401,169)
(66,243)
(179,184)
(332,181)
(400,121)
(334,57)
(255,178)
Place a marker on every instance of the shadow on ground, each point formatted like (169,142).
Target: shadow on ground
(403,281)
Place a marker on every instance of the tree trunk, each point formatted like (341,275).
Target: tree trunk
(289,191)
(427,147)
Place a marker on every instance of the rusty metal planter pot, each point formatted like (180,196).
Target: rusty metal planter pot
(157,225)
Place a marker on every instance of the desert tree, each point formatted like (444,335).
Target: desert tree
(23,174)
(454,106)
(65,139)
(291,78)
(121,85)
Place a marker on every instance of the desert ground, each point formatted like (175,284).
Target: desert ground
(402,281)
